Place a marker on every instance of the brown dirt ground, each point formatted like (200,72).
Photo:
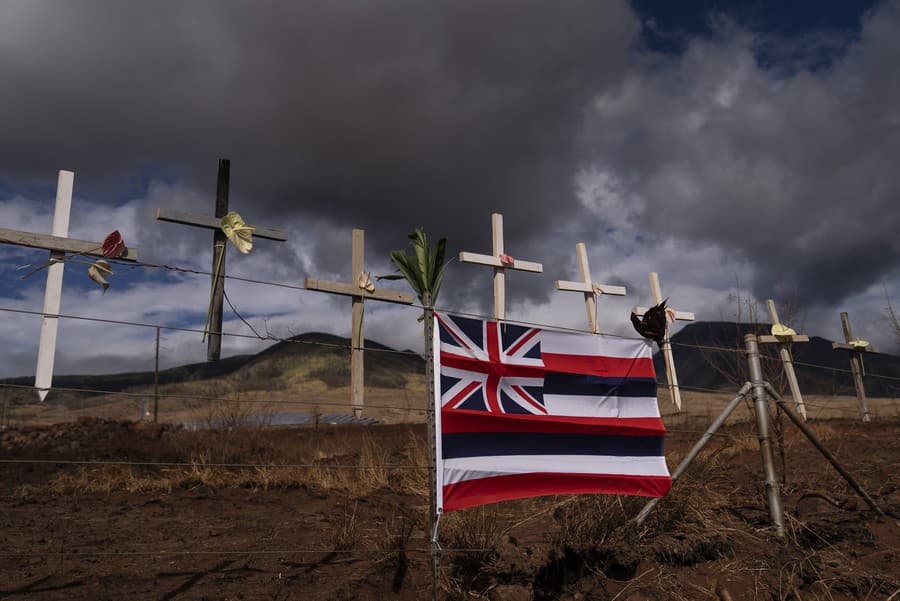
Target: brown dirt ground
(337,521)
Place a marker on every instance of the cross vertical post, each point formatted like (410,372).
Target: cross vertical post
(500,261)
(357,355)
(58,243)
(53,290)
(784,352)
(590,288)
(360,288)
(856,366)
(156,381)
(214,346)
(666,348)
(499,273)
(217,283)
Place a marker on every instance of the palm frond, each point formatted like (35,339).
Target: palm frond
(424,268)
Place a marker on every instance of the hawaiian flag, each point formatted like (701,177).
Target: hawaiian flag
(524,412)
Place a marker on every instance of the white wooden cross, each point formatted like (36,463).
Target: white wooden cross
(784,343)
(214,346)
(360,288)
(856,351)
(58,243)
(500,261)
(590,288)
(671,375)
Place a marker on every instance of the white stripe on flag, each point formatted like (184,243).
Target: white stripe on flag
(600,406)
(567,343)
(472,468)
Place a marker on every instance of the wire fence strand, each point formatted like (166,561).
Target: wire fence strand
(203,464)
(200,397)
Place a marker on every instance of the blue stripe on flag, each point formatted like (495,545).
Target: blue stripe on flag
(484,444)
(578,384)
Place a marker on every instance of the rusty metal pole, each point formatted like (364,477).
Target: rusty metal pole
(762,425)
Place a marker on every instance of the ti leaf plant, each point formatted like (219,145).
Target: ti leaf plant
(423,269)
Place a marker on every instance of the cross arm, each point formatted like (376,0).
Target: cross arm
(467,257)
(679,315)
(269,233)
(390,296)
(767,339)
(588,288)
(60,244)
(847,347)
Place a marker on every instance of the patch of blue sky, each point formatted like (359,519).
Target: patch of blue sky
(792,35)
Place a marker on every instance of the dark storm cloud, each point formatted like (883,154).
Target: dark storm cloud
(384,115)
(396,114)
(793,173)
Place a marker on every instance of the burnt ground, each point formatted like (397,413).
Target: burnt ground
(341,515)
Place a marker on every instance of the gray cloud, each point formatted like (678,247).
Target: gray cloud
(391,115)
(792,172)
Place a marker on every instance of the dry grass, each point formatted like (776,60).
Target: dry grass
(322,464)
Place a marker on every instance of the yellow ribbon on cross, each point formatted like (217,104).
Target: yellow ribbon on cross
(236,230)
(782,332)
(364,281)
(98,271)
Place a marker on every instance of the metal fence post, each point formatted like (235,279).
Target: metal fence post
(762,425)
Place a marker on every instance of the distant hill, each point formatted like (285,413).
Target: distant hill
(326,358)
(311,356)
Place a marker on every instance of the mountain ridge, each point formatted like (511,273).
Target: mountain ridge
(704,354)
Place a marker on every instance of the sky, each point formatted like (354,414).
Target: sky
(739,149)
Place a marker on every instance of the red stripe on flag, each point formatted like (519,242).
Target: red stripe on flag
(492,393)
(522,393)
(463,420)
(483,367)
(463,393)
(594,365)
(480,491)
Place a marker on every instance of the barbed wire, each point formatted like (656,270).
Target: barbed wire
(350,347)
(49,553)
(203,464)
(268,337)
(413,305)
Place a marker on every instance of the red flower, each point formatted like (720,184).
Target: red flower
(113,246)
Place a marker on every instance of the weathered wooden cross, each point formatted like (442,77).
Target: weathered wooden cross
(359,289)
(500,261)
(58,244)
(856,349)
(214,345)
(784,343)
(671,375)
(590,288)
